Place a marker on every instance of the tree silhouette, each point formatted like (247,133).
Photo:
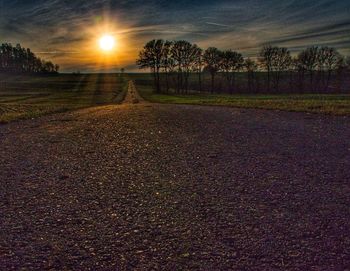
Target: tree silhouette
(231,62)
(185,56)
(308,61)
(167,62)
(152,57)
(19,60)
(212,59)
(328,60)
(198,65)
(251,67)
(175,64)
(191,61)
(281,62)
(267,56)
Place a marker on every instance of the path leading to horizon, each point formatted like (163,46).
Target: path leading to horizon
(175,187)
(132,95)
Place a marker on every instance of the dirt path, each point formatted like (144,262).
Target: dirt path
(175,187)
(132,96)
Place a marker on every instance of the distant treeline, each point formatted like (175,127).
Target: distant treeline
(182,67)
(19,60)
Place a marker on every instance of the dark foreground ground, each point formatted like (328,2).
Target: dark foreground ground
(172,187)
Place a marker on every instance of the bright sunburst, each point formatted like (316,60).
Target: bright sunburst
(107,43)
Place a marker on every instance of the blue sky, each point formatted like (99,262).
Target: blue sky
(62,30)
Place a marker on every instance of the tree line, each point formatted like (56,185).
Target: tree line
(19,60)
(180,66)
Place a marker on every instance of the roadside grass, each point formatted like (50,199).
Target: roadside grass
(23,97)
(337,104)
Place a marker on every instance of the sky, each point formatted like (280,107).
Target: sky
(67,31)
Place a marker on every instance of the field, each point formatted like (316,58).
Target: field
(23,97)
(323,103)
(28,97)
(335,104)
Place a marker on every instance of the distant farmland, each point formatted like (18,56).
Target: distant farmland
(32,96)
(23,97)
(335,104)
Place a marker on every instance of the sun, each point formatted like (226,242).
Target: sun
(107,43)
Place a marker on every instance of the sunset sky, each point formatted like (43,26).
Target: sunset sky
(67,32)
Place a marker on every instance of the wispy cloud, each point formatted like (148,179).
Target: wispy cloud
(62,29)
(217,24)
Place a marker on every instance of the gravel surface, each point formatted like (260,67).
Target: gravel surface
(132,96)
(174,187)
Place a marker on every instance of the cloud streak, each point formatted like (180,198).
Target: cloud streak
(62,30)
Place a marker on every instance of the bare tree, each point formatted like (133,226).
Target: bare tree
(151,57)
(231,62)
(179,60)
(281,63)
(198,65)
(251,67)
(178,55)
(308,60)
(212,59)
(330,60)
(190,63)
(185,56)
(167,62)
(320,68)
(267,55)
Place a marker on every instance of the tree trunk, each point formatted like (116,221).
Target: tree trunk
(277,81)
(167,80)
(155,80)
(181,82)
(200,80)
(158,81)
(233,83)
(178,82)
(301,80)
(212,82)
(328,80)
(312,80)
(249,81)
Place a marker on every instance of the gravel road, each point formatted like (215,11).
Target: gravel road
(175,187)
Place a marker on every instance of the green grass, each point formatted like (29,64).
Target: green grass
(23,97)
(322,103)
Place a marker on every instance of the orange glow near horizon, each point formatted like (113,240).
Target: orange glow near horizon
(106,48)
(102,45)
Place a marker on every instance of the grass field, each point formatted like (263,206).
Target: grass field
(24,97)
(335,104)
